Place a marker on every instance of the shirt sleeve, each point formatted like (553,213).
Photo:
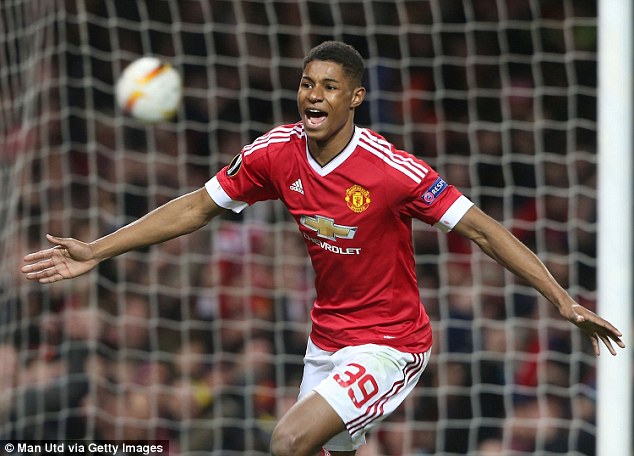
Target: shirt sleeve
(243,182)
(221,198)
(436,202)
(453,215)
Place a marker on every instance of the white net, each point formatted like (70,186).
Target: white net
(200,340)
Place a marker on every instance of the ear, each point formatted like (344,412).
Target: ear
(357,97)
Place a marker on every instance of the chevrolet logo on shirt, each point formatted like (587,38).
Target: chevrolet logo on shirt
(327,228)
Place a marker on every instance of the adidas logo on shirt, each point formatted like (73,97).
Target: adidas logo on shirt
(297,186)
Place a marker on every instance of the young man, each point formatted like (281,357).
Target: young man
(353,196)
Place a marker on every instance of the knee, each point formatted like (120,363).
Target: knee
(287,443)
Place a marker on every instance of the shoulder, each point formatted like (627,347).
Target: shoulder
(275,139)
(400,164)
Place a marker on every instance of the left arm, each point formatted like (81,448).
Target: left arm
(500,244)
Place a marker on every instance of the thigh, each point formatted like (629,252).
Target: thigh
(367,384)
(318,366)
(311,421)
(362,385)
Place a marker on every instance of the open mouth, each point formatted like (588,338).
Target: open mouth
(315,117)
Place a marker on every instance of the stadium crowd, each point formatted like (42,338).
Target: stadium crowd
(199,341)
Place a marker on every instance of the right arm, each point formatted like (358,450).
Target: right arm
(71,258)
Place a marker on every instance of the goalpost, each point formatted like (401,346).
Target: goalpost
(616,218)
(199,341)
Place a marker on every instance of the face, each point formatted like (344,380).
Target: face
(326,100)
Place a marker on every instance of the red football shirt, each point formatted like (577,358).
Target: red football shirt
(355,216)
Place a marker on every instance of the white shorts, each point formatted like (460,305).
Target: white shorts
(364,384)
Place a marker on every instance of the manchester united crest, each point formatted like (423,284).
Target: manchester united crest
(357,198)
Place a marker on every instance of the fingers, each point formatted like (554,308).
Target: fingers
(598,330)
(46,275)
(40,269)
(46,253)
(43,265)
(41,255)
(608,343)
(607,336)
(595,345)
(55,240)
(42,259)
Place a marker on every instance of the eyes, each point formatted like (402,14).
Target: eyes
(310,85)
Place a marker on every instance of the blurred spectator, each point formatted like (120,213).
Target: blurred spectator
(473,90)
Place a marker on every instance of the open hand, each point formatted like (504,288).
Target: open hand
(67,259)
(595,327)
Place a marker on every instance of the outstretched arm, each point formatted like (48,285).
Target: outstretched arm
(71,258)
(497,242)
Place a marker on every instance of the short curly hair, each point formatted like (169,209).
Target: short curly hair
(341,53)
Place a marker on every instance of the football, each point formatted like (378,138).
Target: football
(149,90)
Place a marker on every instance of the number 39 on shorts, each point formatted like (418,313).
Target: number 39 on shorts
(361,385)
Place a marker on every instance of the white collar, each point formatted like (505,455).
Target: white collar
(338,159)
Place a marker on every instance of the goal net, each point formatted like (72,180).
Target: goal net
(199,341)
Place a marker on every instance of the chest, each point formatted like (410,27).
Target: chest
(350,201)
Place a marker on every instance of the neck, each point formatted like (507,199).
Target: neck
(324,151)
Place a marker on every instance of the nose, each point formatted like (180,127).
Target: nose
(315,95)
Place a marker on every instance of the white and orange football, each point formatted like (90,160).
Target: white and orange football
(150,90)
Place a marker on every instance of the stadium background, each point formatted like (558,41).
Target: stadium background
(200,340)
